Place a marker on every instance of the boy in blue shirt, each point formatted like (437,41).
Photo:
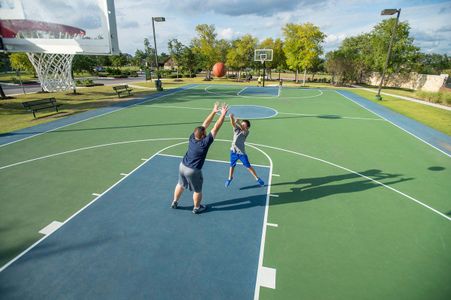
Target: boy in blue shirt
(237,151)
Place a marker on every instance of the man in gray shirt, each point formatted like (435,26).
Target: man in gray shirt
(238,151)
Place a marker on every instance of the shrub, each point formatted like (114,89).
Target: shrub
(435,97)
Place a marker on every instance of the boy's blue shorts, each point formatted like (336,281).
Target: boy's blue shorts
(234,157)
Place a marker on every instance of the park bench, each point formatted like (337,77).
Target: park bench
(122,89)
(41,104)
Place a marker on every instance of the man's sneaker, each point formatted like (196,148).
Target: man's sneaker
(199,210)
(174,204)
(228,182)
(260,181)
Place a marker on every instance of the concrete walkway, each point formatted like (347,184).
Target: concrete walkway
(406,98)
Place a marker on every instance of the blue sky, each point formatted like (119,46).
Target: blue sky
(430,21)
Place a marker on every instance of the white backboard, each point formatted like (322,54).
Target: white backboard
(59,26)
(263,55)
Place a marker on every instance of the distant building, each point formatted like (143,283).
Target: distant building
(170,64)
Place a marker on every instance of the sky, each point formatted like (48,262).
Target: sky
(430,21)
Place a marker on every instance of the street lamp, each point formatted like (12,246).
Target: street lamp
(388,12)
(157,82)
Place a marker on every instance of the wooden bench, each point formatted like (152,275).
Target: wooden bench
(41,104)
(122,89)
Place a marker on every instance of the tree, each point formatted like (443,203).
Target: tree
(279,59)
(83,63)
(404,54)
(268,44)
(103,60)
(19,61)
(189,60)
(176,51)
(223,47)
(340,65)
(358,49)
(302,46)
(205,45)
(433,63)
(242,53)
(119,60)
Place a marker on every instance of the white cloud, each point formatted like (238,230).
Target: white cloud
(265,18)
(226,33)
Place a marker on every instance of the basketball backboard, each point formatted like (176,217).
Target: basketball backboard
(59,26)
(263,55)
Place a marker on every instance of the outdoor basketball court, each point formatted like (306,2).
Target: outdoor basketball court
(356,204)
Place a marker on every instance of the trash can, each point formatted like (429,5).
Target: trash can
(158,85)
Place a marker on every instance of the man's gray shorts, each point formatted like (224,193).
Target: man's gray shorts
(191,179)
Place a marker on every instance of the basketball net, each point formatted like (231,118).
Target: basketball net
(54,70)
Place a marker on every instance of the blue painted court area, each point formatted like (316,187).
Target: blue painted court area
(251,112)
(269,91)
(130,244)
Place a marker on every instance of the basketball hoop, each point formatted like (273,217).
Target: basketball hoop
(48,31)
(54,70)
(263,55)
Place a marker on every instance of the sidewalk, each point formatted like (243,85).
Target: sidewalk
(405,98)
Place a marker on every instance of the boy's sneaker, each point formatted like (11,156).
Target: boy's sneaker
(228,182)
(200,209)
(260,181)
(174,204)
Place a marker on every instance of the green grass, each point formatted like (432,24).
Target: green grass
(436,118)
(11,77)
(442,97)
(339,235)
(14,117)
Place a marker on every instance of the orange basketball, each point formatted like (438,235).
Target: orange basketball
(219,69)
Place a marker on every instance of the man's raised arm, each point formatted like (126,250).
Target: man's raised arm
(220,121)
(210,117)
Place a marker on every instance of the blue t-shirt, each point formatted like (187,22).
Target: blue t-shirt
(197,151)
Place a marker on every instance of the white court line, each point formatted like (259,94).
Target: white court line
(179,107)
(340,117)
(86,206)
(241,96)
(229,141)
(405,130)
(267,278)
(93,117)
(123,178)
(272,224)
(242,90)
(274,195)
(87,148)
(277,175)
(123,174)
(212,160)
(262,269)
(143,158)
(49,229)
(277,112)
(96,194)
(356,173)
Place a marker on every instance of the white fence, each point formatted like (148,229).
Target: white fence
(414,81)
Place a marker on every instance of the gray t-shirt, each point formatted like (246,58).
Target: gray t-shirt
(239,137)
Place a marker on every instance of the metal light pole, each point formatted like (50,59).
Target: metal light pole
(158,81)
(388,12)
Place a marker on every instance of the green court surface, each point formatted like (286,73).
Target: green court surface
(358,208)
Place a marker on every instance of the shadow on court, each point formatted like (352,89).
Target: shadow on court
(319,187)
